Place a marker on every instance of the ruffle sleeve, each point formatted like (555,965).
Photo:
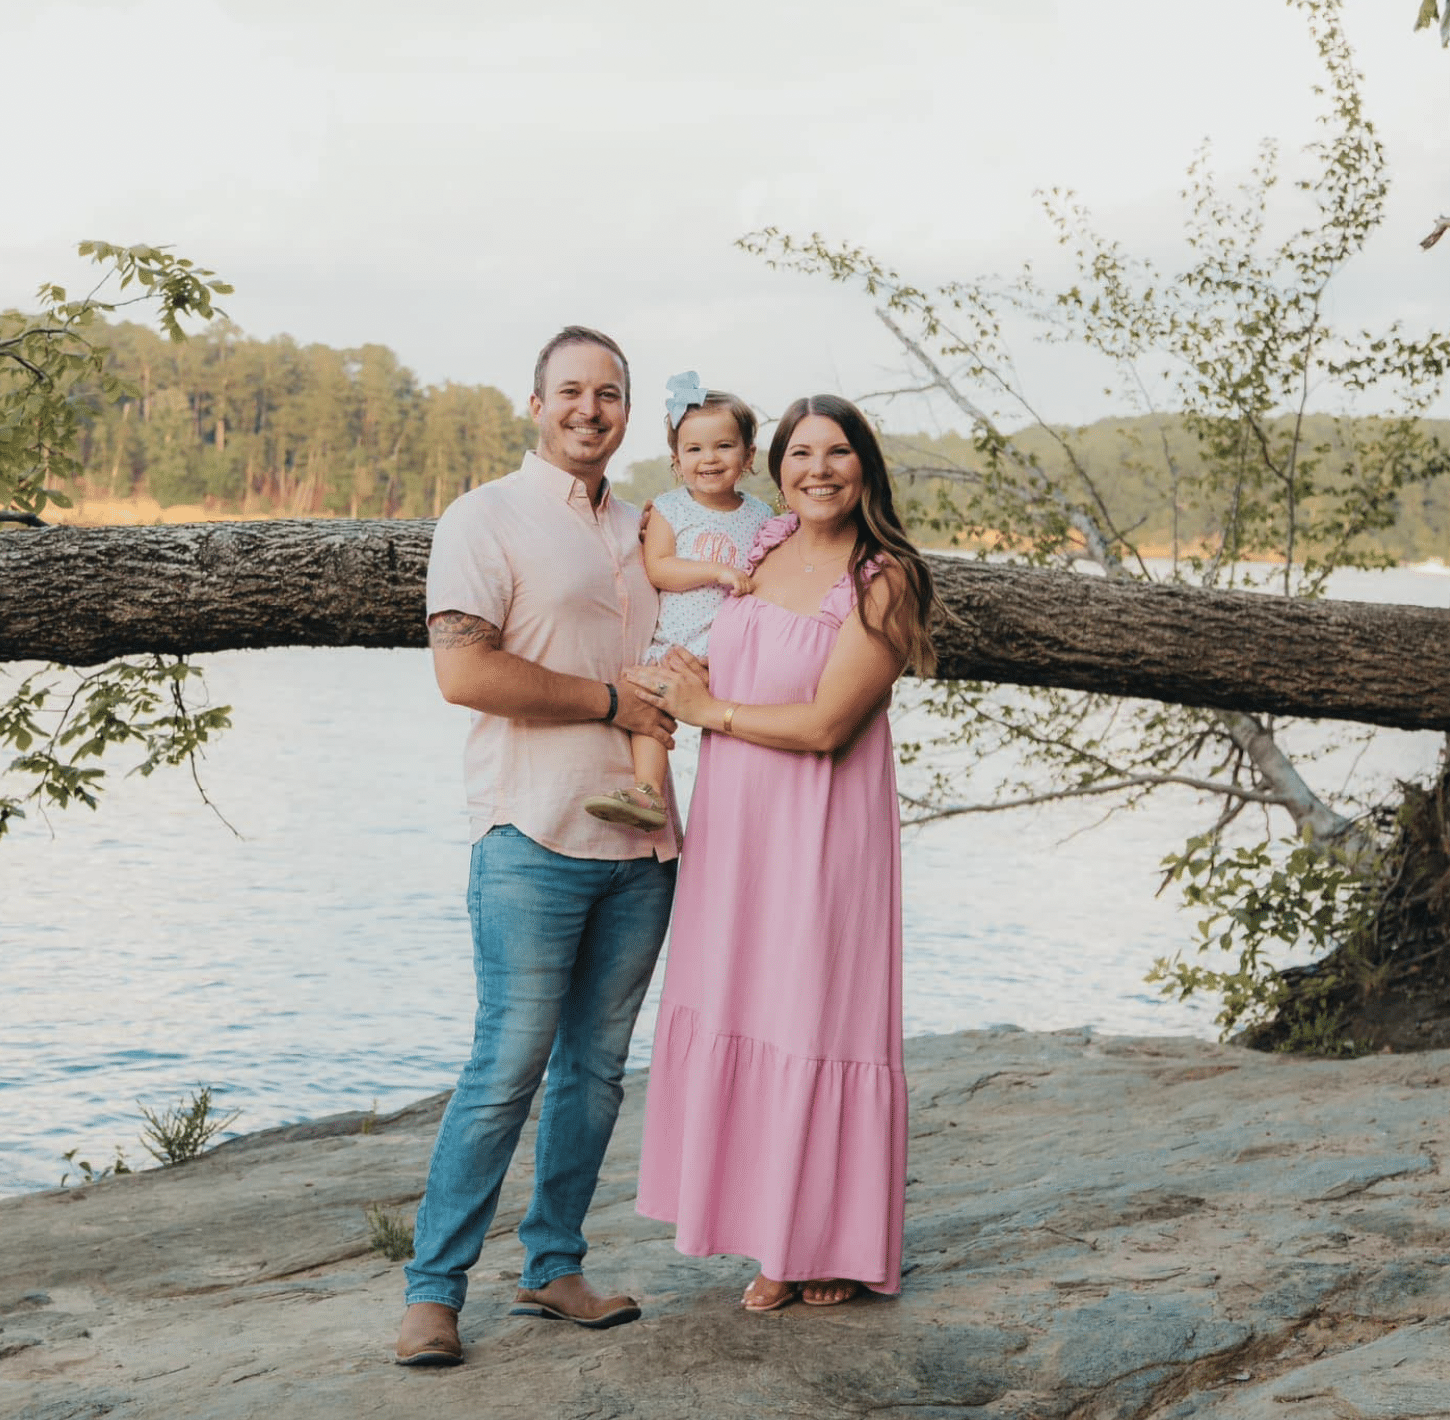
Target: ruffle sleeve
(840,601)
(772,533)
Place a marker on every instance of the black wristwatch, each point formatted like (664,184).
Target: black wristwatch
(613,703)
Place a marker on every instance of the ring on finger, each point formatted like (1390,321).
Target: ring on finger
(660,688)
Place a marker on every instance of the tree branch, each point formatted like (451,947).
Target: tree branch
(1049,796)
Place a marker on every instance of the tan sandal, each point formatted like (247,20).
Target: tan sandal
(619,807)
(850,1287)
(761,1299)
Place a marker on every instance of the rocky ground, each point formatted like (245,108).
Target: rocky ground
(1096,1228)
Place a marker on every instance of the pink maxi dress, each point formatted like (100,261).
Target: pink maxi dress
(775,1121)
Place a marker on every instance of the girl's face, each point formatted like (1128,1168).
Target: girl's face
(820,474)
(712,457)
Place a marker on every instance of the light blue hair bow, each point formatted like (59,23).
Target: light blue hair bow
(686,391)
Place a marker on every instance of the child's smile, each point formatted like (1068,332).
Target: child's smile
(712,457)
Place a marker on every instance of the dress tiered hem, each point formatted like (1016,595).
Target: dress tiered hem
(797,1162)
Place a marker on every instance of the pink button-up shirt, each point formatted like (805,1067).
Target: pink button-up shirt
(565,584)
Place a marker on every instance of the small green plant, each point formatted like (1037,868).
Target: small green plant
(390,1234)
(1256,898)
(180,1133)
(369,1120)
(93,1175)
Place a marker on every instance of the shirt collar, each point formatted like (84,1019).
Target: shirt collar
(560,484)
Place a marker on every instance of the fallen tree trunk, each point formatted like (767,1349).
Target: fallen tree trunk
(83,596)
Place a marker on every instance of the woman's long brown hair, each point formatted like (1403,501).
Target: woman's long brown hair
(906,625)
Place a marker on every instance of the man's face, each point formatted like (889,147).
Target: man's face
(582,414)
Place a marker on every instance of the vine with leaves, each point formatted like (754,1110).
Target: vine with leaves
(60,723)
(1236,342)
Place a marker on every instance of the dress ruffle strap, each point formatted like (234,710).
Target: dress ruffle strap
(770,536)
(840,601)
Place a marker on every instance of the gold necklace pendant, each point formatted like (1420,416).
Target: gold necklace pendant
(825,561)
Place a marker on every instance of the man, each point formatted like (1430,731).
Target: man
(537,601)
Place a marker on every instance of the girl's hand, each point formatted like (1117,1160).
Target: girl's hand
(681,694)
(740,584)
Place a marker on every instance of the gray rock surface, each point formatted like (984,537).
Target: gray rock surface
(1097,1228)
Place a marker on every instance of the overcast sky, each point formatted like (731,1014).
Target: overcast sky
(458,178)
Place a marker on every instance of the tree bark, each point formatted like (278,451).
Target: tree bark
(83,596)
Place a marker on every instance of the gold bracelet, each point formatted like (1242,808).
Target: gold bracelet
(729,719)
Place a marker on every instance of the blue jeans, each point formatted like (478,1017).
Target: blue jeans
(563,949)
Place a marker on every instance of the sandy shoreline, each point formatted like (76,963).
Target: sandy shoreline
(1096,1227)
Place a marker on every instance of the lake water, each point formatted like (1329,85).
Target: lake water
(321,961)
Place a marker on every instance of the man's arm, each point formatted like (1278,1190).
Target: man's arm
(474,670)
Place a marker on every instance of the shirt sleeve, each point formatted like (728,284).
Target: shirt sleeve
(468,570)
(673,509)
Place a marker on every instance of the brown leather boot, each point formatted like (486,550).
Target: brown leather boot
(429,1336)
(571,1298)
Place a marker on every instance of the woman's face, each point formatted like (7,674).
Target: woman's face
(820,474)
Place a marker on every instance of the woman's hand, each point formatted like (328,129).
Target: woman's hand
(684,694)
(677,658)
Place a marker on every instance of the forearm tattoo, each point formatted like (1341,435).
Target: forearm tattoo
(449,630)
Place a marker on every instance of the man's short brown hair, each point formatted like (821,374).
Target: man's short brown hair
(578,335)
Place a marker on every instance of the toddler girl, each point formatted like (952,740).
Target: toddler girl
(695,551)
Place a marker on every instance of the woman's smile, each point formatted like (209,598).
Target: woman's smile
(820,469)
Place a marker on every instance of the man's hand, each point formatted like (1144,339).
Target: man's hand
(638,716)
(741,584)
(645,514)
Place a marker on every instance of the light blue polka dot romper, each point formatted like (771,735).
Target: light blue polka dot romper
(701,535)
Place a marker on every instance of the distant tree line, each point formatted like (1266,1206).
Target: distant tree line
(271,426)
(1124,458)
(935,472)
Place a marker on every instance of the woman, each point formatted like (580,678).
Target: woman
(776,1117)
